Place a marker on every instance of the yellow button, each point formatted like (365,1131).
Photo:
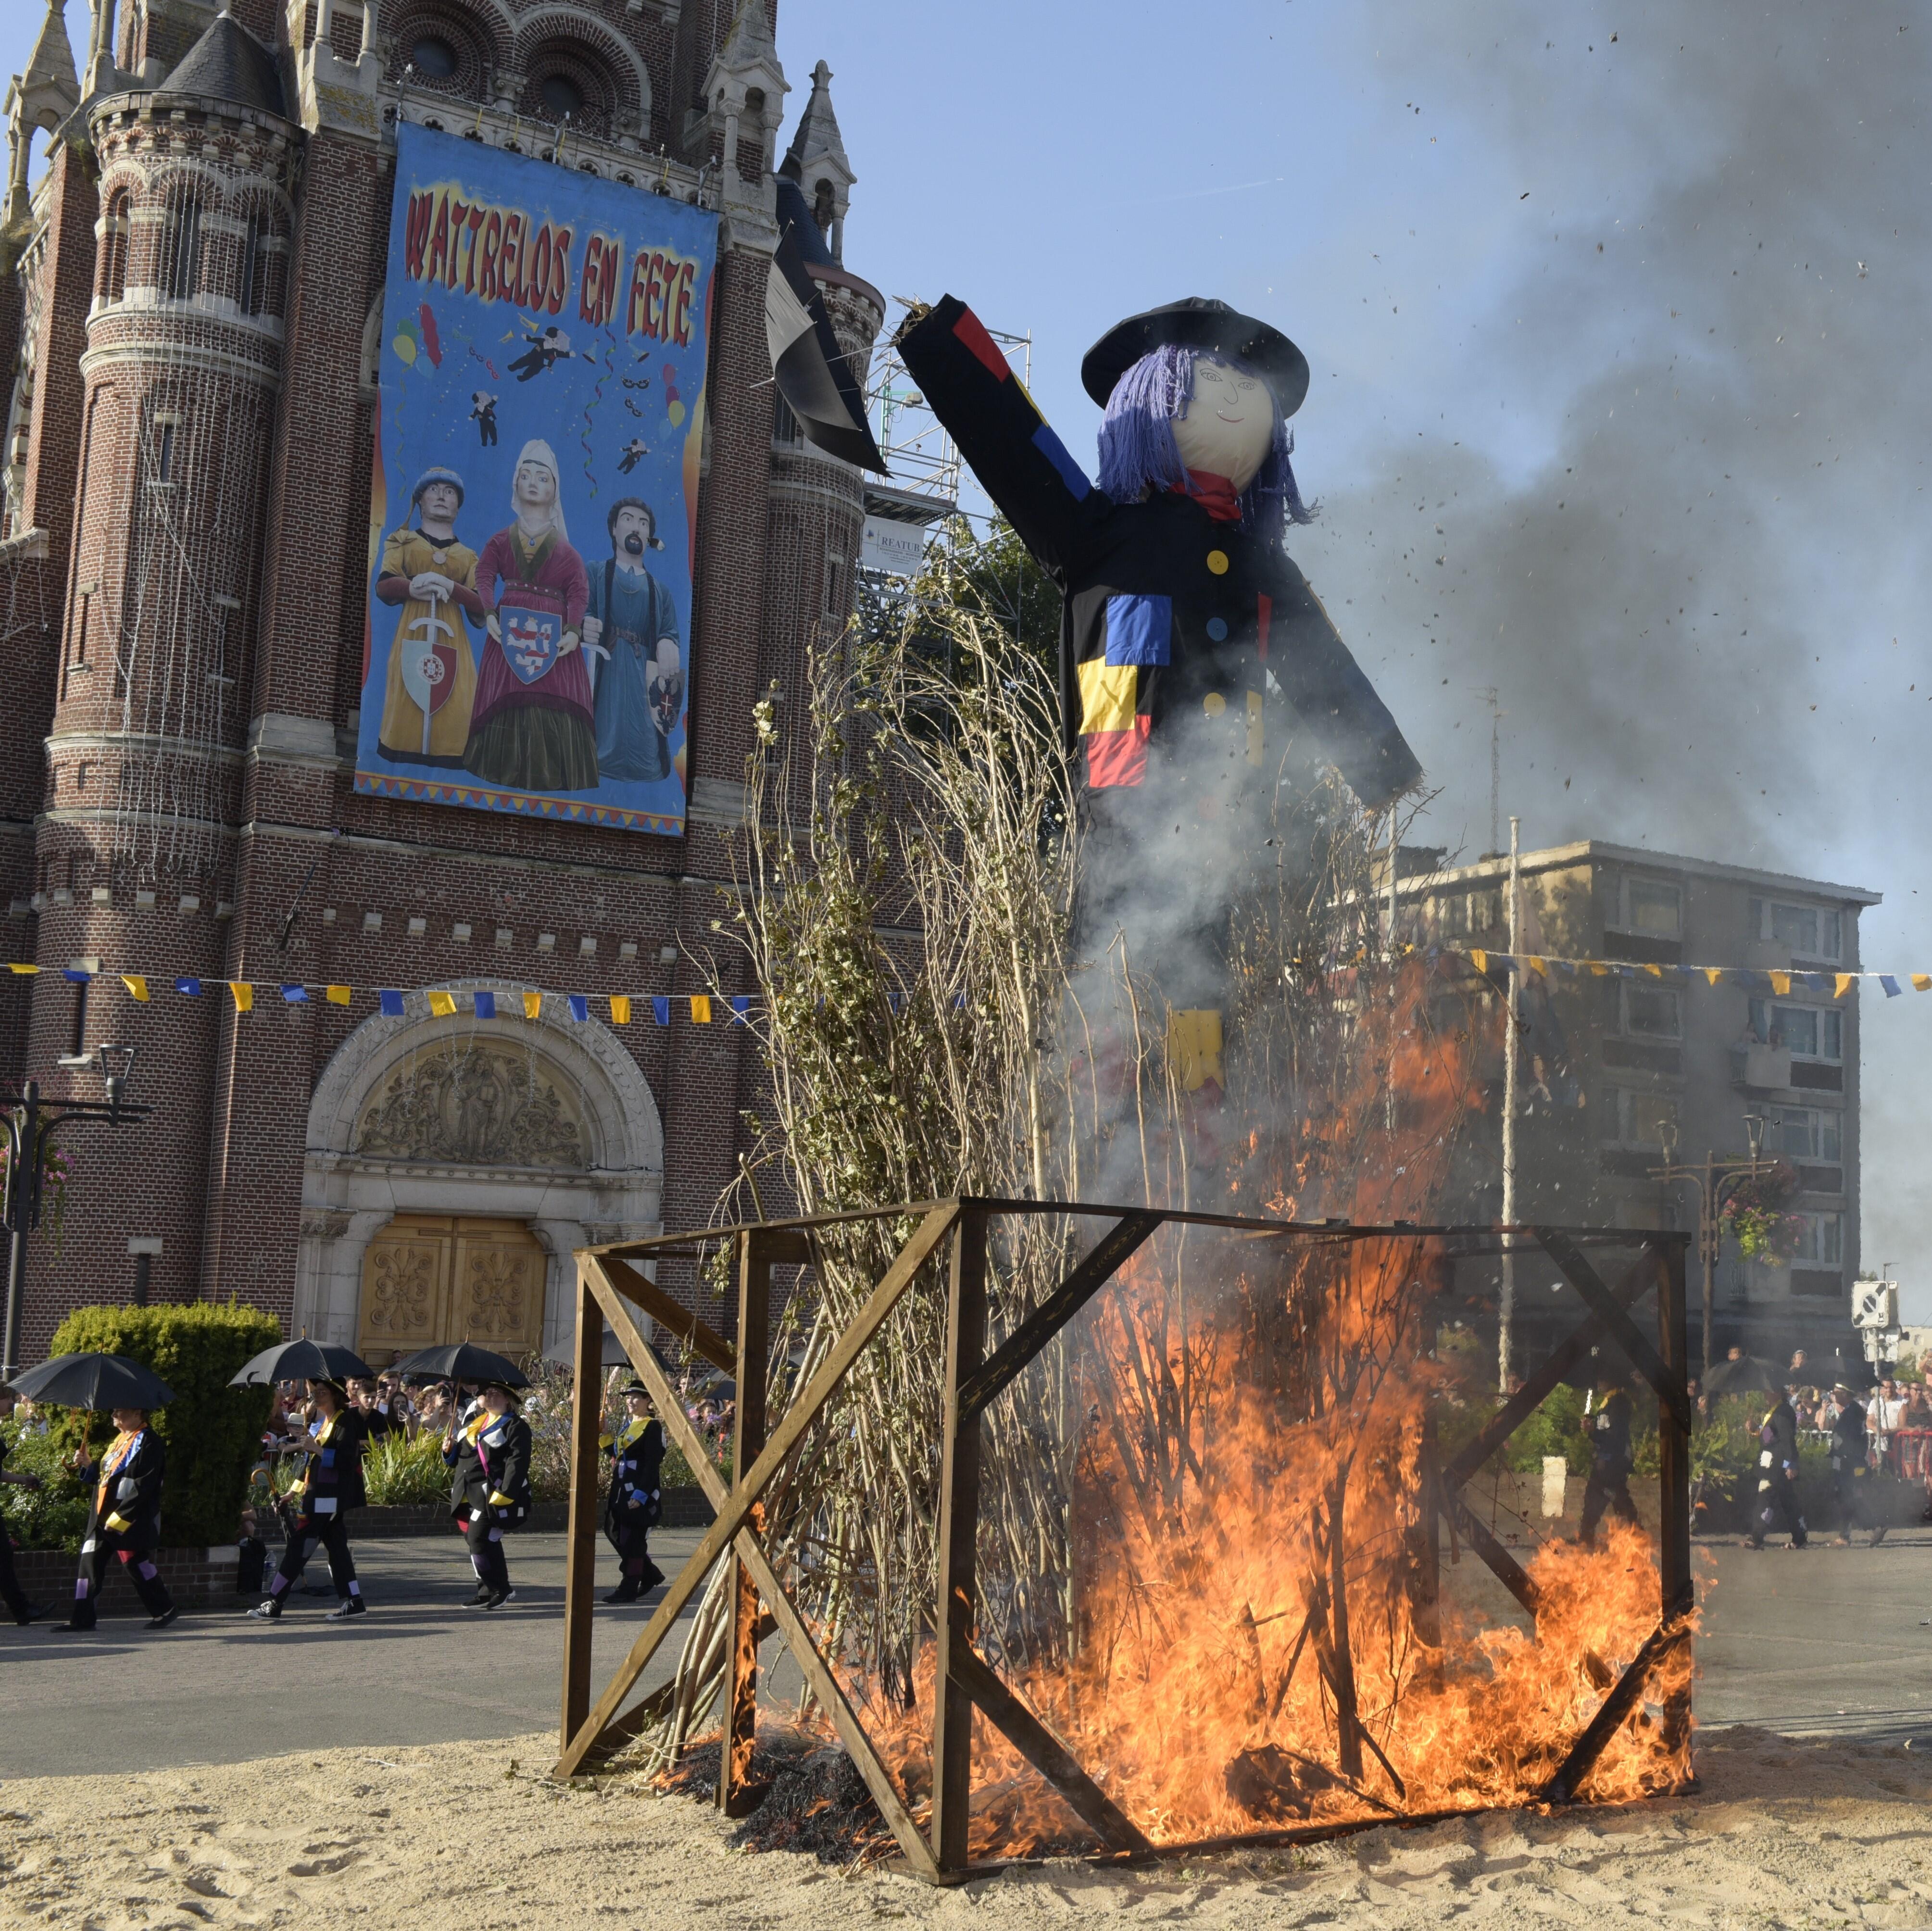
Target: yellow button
(1217,561)
(1213,703)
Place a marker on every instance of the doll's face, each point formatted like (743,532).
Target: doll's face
(1229,422)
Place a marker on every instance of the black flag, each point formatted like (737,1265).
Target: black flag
(808,366)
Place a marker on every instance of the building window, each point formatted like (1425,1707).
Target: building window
(432,58)
(562,97)
(181,248)
(1806,1133)
(1627,1118)
(1806,929)
(1651,907)
(1811,1032)
(1657,1011)
(251,294)
(114,247)
(1821,1240)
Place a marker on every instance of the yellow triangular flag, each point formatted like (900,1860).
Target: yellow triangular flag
(1921,982)
(442,1004)
(1480,960)
(1655,971)
(1539,967)
(243,994)
(532,1005)
(1714,973)
(136,984)
(620,1008)
(338,995)
(701,1009)
(1597,967)
(21,965)
(1780,982)
(1846,980)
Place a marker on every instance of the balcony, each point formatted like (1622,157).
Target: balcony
(1756,1068)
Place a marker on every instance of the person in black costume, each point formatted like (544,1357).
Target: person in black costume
(22,1611)
(635,1501)
(1849,1457)
(124,1520)
(316,1514)
(490,1492)
(1777,1477)
(1608,1486)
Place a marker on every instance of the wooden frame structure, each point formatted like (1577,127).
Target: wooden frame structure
(613,1287)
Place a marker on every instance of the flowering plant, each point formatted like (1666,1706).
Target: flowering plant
(56,1170)
(1754,1212)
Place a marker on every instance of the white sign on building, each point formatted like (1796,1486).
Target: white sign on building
(893,547)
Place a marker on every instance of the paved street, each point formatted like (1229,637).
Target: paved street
(1830,1641)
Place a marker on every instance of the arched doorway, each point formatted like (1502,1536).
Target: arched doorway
(448,1156)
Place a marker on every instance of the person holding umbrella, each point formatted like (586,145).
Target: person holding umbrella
(331,1485)
(124,1520)
(489,1449)
(22,1611)
(635,1502)
(1778,1476)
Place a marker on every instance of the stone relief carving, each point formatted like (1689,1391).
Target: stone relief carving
(472,1104)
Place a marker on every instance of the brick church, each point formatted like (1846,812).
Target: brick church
(191,319)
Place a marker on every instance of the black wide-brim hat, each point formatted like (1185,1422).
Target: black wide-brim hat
(1198,322)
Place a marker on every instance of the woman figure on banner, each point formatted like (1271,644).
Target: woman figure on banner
(431,686)
(533,728)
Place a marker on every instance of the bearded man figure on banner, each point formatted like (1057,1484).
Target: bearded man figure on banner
(431,685)
(633,620)
(533,728)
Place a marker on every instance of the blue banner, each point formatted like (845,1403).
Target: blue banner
(533,517)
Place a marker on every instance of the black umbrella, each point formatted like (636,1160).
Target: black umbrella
(1746,1375)
(303,1360)
(564,1351)
(98,1382)
(461,1361)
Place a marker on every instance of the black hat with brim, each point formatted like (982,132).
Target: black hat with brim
(1198,322)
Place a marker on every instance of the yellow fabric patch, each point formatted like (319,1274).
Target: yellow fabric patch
(21,966)
(532,1005)
(1217,561)
(1108,694)
(243,994)
(1921,982)
(339,995)
(1846,980)
(1714,973)
(442,1004)
(620,1008)
(1194,1048)
(1480,959)
(701,1009)
(1780,982)
(136,984)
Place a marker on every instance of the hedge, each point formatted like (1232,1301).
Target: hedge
(213,1433)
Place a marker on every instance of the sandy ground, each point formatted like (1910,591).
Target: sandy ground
(1819,1832)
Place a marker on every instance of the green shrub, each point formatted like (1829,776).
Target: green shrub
(212,1432)
(399,1472)
(53,1515)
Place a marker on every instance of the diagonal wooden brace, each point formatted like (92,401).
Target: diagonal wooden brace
(631,1282)
(1114,1247)
(1615,1711)
(1531,1396)
(1044,1751)
(737,1506)
(1638,1348)
(1507,1570)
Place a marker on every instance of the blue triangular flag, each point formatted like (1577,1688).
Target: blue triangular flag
(79,974)
(741,1004)
(192,987)
(486,1006)
(579,1005)
(391,1004)
(1892,987)
(894,1000)
(294,995)
(959,1002)
(661,1008)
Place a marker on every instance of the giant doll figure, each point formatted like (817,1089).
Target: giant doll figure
(631,623)
(431,684)
(1192,650)
(533,729)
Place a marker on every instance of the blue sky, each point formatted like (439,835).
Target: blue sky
(1618,317)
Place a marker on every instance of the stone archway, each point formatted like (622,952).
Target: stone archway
(541,1121)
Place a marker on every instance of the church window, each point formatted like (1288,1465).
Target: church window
(562,96)
(114,247)
(433,59)
(252,294)
(181,248)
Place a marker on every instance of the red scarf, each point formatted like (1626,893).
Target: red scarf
(1215,494)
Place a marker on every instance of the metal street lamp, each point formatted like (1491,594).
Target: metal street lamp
(1714,1179)
(29,1123)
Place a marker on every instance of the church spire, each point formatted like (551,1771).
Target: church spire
(43,97)
(817,161)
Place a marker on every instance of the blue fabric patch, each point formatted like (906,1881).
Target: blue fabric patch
(328,1458)
(75,975)
(661,1008)
(296,995)
(1217,628)
(1050,446)
(391,1004)
(741,1004)
(192,987)
(486,1006)
(1139,630)
(580,1006)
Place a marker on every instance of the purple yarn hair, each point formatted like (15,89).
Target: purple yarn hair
(1138,453)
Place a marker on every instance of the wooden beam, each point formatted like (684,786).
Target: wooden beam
(669,1313)
(1507,1570)
(580,1576)
(958,1540)
(737,1506)
(1677,1584)
(1044,1751)
(1615,1711)
(1113,1248)
(737,1796)
(1624,1331)
(1531,1396)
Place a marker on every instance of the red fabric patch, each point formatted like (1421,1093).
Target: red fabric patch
(972,331)
(1215,494)
(1264,609)
(1117,757)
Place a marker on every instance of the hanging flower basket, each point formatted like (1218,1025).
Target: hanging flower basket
(1755,1213)
(56,1170)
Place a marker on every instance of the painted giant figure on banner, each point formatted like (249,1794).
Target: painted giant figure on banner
(544,339)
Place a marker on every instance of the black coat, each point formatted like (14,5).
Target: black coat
(1848,1438)
(333,1480)
(130,1489)
(495,1461)
(1165,611)
(1779,1434)
(636,1467)
(1610,1434)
